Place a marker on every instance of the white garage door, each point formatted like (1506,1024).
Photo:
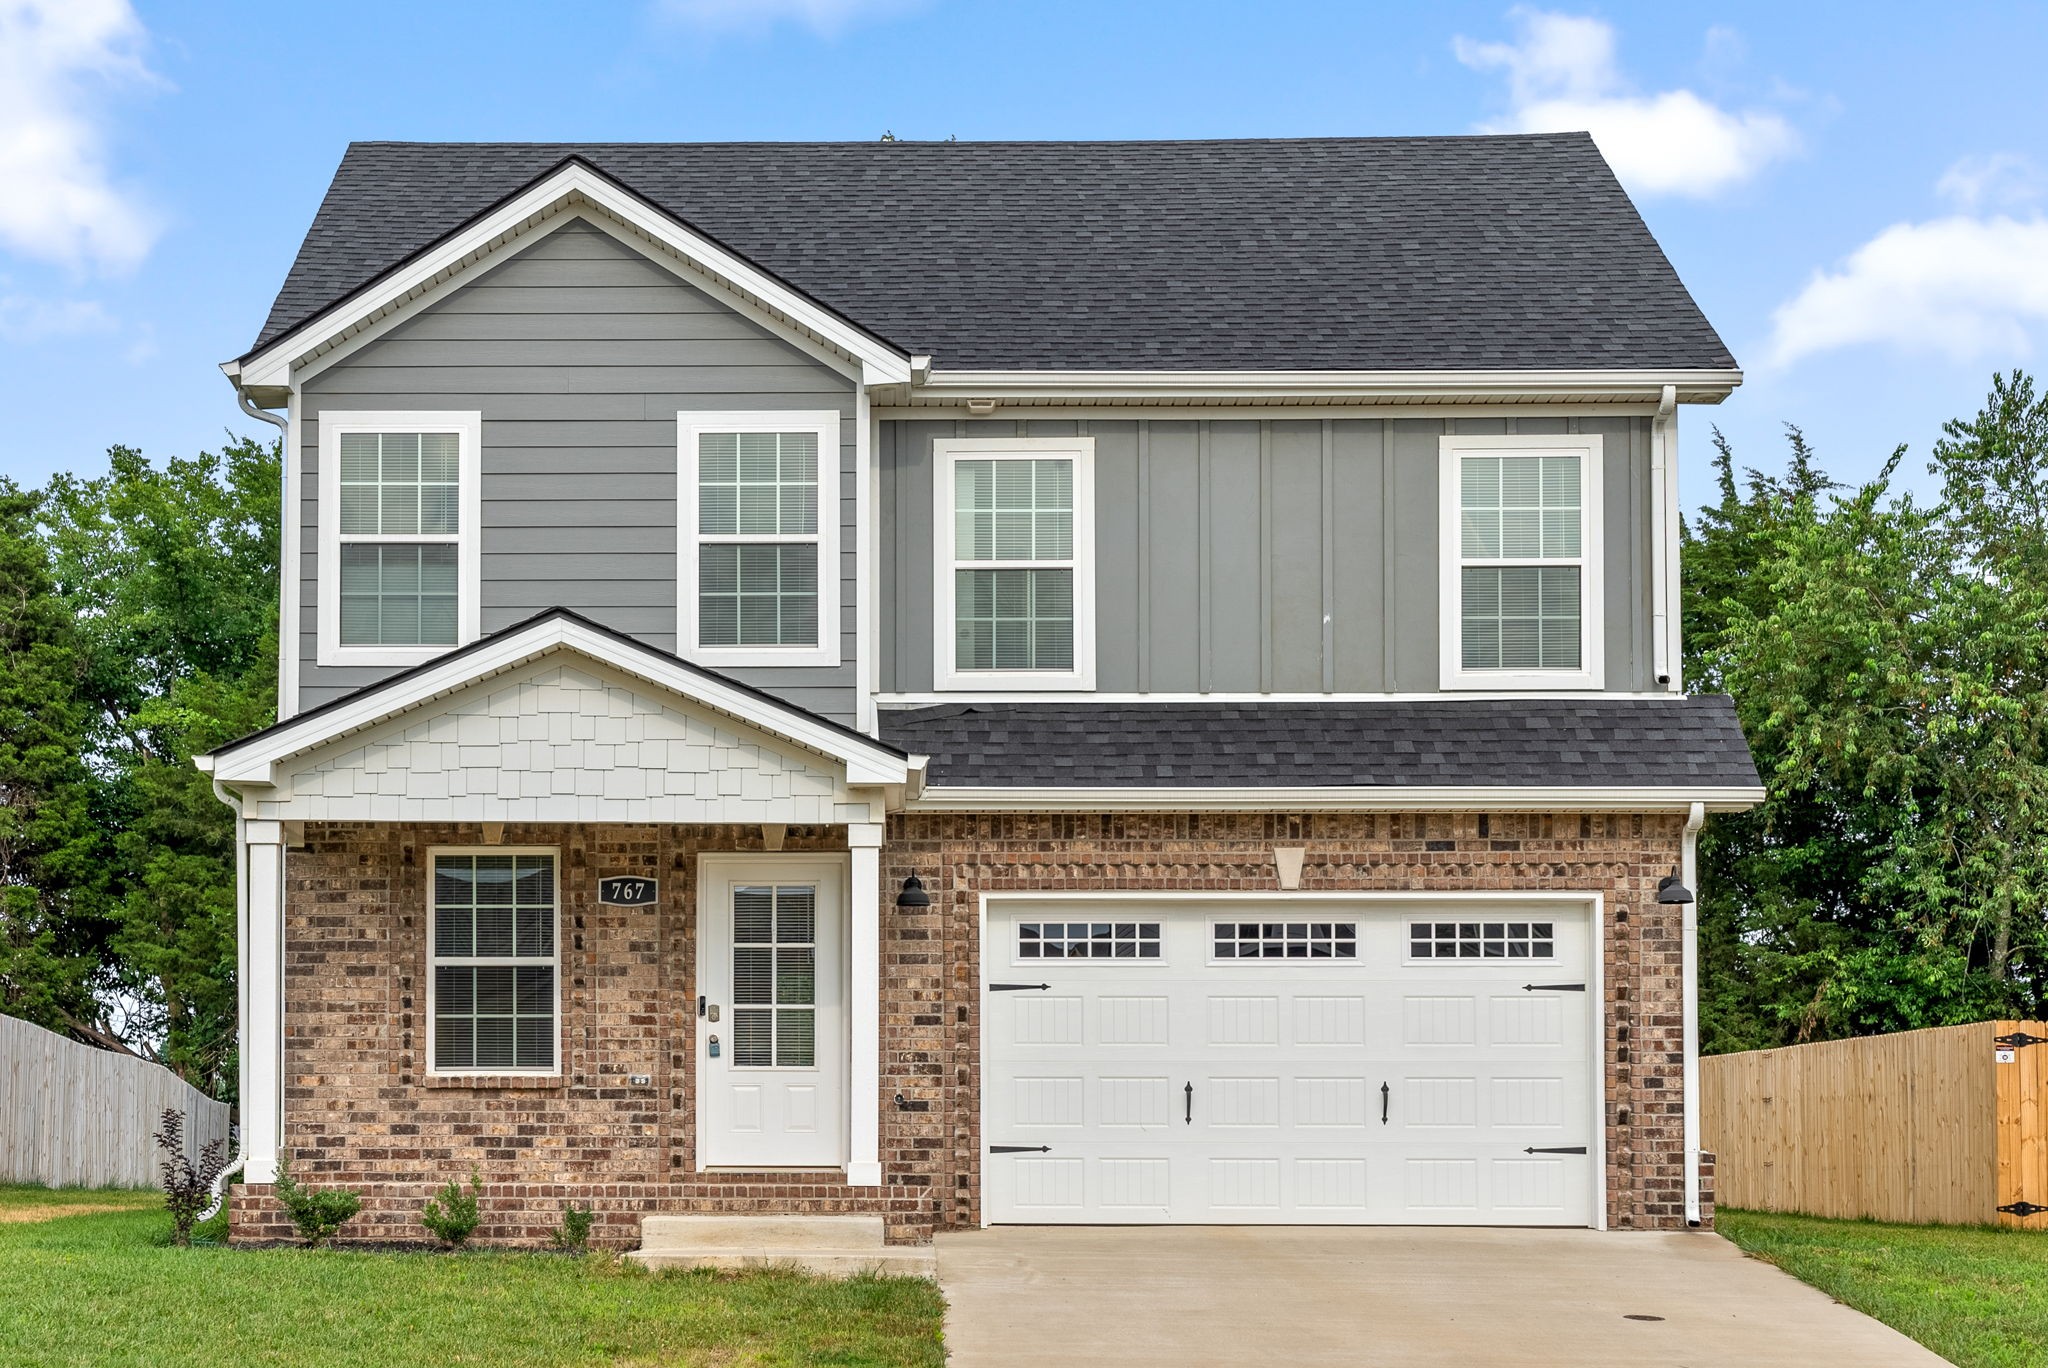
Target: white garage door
(1291,1062)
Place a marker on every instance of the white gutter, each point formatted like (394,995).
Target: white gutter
(218,1195)
(1662,478)
(1708,386)
(1386,798)
(1688,874)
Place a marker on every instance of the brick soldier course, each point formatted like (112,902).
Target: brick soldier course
(362,1111)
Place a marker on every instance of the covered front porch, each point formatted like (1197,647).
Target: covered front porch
(574,911)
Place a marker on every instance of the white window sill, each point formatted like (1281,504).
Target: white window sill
(382,655)
(984,681)
(716,657)
(1480,681)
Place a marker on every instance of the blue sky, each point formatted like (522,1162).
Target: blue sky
(1855,193)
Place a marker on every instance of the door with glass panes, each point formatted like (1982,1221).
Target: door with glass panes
(771,1025)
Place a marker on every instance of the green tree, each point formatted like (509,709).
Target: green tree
(171,576)
(53,944)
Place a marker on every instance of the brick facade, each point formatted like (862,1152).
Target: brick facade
(360,1109)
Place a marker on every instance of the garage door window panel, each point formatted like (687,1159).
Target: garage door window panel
(1482,940)
(1291,940)
(1087,940)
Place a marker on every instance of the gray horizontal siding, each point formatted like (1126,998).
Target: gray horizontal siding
(579,353)
(1223,546)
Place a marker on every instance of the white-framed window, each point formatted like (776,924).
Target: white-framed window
(494,990)
(1014,533)
(400,502)
(1521,588)
(758,549)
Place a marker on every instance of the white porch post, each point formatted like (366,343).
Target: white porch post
(864,1007)
(263,1026)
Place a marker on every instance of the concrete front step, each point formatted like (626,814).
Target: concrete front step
(835,1246)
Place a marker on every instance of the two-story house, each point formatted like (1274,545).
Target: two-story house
(971,683)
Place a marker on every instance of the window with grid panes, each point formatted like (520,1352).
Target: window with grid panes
(494,962)
(1013,557)
(400,535)
(1522,566)
(757,524)
(775,976)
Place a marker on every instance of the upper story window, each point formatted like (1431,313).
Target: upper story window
(1014,521)
(1521,577)
(759,538)
(399,506)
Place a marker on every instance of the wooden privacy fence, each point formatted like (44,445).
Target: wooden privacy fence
(74,1116)
(1948,1125)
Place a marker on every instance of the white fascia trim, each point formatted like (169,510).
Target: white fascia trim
(927,700)
(257,763)
(1710,386)
(689,425)
(1418,798)
(947,453)
(468,428)
(880,362)
(1592,674)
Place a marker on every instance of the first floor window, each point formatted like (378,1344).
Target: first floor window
(494,962)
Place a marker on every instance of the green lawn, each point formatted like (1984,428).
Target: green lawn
(104,1288)
(1976,1295)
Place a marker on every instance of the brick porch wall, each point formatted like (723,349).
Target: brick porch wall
(360,1109)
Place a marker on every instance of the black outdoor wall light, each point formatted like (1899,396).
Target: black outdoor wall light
(1671,890)
(913,894)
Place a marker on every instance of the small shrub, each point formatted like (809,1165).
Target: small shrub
(188,1187)
(573,1234)
(451,1213)
(316,1213)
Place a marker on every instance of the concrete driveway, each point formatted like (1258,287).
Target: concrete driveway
(1388,1297)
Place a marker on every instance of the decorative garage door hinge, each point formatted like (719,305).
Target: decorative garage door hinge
(1020,1149)
(1553,987)
(2023,1209)
(2019,1040)
(1018,987)
(1555,1149)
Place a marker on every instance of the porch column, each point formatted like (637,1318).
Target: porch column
(864,1008)
(262,1034)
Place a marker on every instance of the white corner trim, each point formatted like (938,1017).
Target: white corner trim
(947,452)
(1591,561)
(575,183)
(291,563)
(256,761)
(468,427)
(434,960)
(825,423)
(1385,798)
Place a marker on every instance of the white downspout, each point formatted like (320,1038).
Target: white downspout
(1663,492)
(220,1183)
(1688,874)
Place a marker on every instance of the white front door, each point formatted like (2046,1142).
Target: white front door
(771,1035)
(1290,1062)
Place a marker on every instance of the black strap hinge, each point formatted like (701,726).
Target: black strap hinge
(2023,1209)
(2019,1040)
(1018,987)
(1555,1149)
(1553,987)
(1020,1149)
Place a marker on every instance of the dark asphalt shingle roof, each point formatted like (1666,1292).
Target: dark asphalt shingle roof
(1460,253)
(1692,742)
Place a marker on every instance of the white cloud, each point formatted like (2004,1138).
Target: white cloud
(1993,180)
(59,59)
(1960,287)
(826,18)
(1563,77)
(23,319)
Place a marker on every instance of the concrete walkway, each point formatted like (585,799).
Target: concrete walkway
(1388,1297)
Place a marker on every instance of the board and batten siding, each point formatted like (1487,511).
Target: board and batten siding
(579,352)
(1283,555)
